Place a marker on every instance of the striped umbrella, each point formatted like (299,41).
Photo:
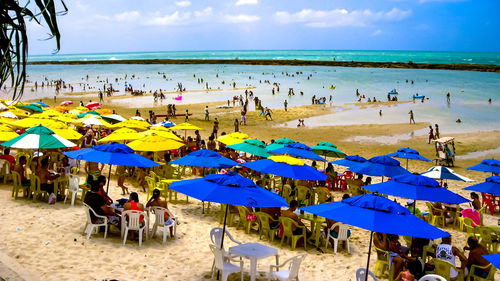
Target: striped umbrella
(39,137)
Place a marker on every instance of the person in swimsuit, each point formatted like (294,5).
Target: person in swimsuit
(431,134)
(405,275)
(46,177)
(155,200)
(121,172)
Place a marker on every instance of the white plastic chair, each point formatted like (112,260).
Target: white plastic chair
(216,237)
(223,265)
(131,221)
(361,275)
(432,277)
(290,273)
(73,187)
(342,236)
(159,213)
(88,209)
(5,170)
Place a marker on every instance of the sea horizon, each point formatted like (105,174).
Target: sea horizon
(416,56)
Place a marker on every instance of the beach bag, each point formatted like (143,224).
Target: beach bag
(251,217)
(52,198)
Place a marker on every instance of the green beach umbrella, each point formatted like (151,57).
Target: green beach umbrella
(328,149)
(39,137)
(31,107)
(252,146)
(93,112)
(280,143)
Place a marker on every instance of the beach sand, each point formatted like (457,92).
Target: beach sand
(47,240)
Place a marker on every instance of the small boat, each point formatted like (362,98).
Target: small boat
(332,87)
(418,97)
(393,92)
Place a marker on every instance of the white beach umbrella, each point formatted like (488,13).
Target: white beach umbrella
(139,118)
(444,173)
(8,114)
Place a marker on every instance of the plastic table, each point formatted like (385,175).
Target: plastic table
(254,252)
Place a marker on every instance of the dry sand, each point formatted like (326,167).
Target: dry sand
(48,240)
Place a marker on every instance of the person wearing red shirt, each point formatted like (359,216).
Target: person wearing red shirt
(6,156)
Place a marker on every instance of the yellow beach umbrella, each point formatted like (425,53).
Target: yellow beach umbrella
(233,138)
(32,122)
(133,124)
(19,112)
(166,134)
(64,131)
(82,108)
(75,111)
(185,126)
(123,134)
(104,111)
(155,143)
(51,113)
(7,133)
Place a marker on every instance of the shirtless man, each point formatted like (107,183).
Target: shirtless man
(476,252)
(46,177)
(290,214)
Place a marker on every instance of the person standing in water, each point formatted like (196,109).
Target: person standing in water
(286,105)
(436,131)
(412,119)
(448,97)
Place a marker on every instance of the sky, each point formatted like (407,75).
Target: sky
(97,26)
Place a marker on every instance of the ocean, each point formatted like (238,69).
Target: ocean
(319,55)
(469,90)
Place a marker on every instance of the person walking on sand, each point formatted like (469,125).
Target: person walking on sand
(187,115)
(243,117)
(431,134)
(236,125)
(412,119)
(268,114)
(436,132)
(207,116)
(216,127)
(286,105)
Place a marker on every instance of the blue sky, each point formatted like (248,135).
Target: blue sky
(93,26)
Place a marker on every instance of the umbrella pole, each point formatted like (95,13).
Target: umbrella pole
(203,202)
(109,178)
(382,178)
(224,227)
(406,163)
(369,254)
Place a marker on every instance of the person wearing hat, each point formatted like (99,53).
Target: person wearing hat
(413,209)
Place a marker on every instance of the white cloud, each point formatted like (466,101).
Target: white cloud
(127,16)
(177,18)
(183,3)
(247,2)
(242,18)
(377,32)
(340,17)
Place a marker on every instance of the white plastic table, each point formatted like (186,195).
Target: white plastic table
(254,252)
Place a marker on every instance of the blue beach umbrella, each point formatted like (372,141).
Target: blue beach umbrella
(416,187)
(299,150)
(380,166)
(205,158)
(229,189)
(279,143)
(408,153)
(42,104)
(112,154)
(487,165)
(493,259)
(491,185)
(376,214)
(350,161)
(252,146)
(444,173)
(286,166)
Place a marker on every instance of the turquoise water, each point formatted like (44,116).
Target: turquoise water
(340,55)
(469,91)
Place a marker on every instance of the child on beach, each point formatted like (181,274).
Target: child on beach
(405,275)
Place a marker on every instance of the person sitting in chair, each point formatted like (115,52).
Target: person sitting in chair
(476,252)
(290,214)
(97,203)
(447,252)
